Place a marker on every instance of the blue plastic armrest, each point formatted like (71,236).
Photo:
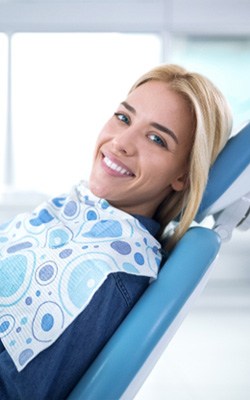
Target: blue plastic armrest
(130,346)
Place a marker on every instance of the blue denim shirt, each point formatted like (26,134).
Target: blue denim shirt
(54,373)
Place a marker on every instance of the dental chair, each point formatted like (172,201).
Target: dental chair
(127,359)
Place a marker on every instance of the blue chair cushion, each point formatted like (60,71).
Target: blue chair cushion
(231,162)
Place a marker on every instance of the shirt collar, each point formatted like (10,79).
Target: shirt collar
(150,224)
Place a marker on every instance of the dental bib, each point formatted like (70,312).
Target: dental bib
(52,262)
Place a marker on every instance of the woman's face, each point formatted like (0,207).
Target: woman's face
(141,154)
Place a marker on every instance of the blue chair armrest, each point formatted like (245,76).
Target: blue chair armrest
(129,348)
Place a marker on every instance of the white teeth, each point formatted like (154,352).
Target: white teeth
(115,167)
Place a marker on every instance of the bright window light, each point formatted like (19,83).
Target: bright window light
(65,86)
(226,63)
(3,101)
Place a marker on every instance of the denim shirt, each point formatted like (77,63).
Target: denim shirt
(53,374)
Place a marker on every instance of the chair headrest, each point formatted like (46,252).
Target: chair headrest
(229,177)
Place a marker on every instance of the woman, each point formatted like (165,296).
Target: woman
(150,164)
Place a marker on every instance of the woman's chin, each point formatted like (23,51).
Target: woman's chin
(98,190)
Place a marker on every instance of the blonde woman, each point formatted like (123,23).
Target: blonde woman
(73,269)
(212,124)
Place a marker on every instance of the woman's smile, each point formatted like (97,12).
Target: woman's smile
(115,167)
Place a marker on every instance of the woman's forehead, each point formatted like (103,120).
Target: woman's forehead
(156,93)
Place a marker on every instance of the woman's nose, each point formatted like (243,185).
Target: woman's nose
(125,142)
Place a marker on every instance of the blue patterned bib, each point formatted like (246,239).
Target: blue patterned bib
(53,260)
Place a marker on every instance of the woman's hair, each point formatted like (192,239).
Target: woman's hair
(212,127)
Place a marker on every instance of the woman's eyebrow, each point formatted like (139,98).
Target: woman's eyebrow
(154,124)
(165,130)
(129,107)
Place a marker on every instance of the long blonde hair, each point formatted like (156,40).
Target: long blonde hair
(213,123)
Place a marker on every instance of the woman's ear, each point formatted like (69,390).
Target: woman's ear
(180,183)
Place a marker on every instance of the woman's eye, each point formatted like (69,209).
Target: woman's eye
(156,139)
(122,118)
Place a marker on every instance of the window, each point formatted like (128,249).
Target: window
(3,102)
(226,62)
(64,87)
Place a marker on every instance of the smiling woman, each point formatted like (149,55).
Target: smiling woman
(141,153)
(87,256)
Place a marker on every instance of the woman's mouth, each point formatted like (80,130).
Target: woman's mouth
(118,169)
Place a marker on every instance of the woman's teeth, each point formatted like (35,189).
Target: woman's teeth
(116,167)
